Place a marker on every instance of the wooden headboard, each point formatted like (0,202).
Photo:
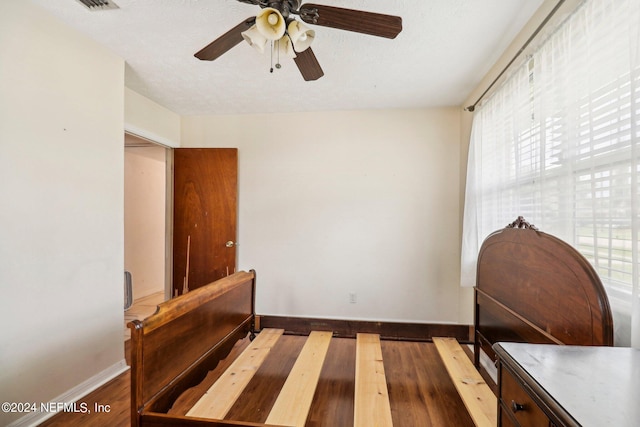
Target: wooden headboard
(533,287)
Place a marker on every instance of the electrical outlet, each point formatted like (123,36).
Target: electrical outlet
(353,298)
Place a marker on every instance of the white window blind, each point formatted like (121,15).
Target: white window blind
(558,144)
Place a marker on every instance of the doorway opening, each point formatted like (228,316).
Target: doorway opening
(147,245)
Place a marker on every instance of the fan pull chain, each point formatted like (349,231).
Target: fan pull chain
(271,69)
(275,46)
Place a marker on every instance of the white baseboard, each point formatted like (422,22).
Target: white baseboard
(74,394)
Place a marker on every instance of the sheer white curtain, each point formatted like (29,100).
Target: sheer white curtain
(558,143)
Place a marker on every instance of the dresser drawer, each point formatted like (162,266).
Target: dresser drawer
(517,402)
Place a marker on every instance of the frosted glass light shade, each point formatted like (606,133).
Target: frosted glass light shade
(301,35)
(271,23)
(284,47)
(255,38)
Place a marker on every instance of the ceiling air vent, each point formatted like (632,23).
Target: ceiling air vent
(99,4)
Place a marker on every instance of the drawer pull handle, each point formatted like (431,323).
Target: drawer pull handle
(515,406)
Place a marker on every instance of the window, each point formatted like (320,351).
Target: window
(558,144)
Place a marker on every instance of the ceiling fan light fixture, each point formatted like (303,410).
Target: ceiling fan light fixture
(301,35)
(254,37)
(271,24)
(276,20)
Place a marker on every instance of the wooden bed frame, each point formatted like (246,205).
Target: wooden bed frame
(176,347)
(533,287)
(188,336)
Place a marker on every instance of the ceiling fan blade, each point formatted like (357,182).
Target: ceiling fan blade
(374,24)
(225,42)
(308,65)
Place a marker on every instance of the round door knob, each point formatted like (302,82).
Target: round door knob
(230,244)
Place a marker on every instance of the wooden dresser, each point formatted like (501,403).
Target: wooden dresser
(557,385)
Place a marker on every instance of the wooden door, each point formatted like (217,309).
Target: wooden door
(204,216)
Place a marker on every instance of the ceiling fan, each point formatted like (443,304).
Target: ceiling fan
(276,23)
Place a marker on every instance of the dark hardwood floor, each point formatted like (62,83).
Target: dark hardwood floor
(420,391)
(115,394)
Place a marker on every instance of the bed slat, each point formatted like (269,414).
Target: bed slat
(477,396)
(371,405)
(221,396)
(294,401)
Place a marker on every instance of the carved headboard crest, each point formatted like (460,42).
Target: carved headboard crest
(520,222)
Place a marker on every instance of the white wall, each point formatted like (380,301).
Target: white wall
(342,202)
(61,220)
(145,191)
(147,119)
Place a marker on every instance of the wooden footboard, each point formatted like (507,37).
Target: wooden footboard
(186,338)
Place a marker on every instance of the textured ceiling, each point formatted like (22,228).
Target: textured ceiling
(445,48)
